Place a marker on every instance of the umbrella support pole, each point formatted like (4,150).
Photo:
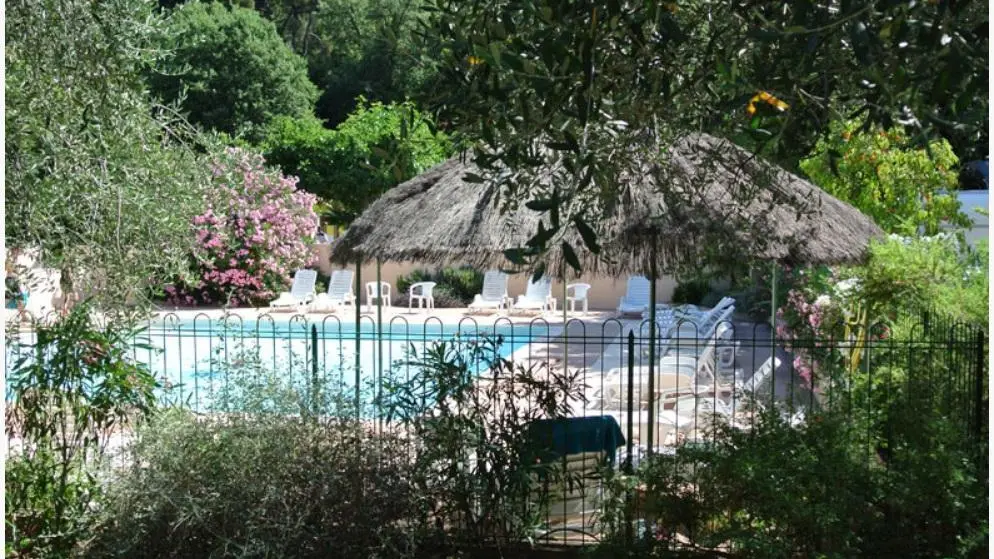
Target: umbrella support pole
(652,356)
(773,322)
(773,308)
(379,337)
(357,303)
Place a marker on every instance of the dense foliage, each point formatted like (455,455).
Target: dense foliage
(98,177)
(820,490)
(261,486)
(230,69)
(589,92)
(69,393)
(255,232)
(375,148)
(356,47)
(454,287)
(905,189)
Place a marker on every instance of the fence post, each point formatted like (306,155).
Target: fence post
(629,469)
(978,386)
(315,396)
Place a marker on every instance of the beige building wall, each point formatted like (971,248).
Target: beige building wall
(604,292)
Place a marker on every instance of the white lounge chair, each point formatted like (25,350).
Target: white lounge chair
(580,291)
(636,299)
(758,384)
(300,295)
(674,376)
(339,291)
(372,295)
(574,503)
(422,292)
(681,417)
(494,295)
(537,297)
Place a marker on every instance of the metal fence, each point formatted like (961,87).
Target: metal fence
(210,364)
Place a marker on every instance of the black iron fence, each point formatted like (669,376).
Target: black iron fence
(627,406)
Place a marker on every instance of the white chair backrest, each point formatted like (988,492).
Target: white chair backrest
(638,290)
(303,283)
(371,289)
(579,290)
(422,289)
(494,286)
(713,318)
(540,290)
(763,374)
(723,330)
(340,284)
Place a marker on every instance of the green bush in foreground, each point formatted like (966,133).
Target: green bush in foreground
(822,491)
(261,486)
(70,392)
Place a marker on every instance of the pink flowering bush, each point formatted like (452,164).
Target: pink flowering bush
(256,230)
(811,323)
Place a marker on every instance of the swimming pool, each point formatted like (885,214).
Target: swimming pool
(195,359)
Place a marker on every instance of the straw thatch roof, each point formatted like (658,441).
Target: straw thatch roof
(718,200)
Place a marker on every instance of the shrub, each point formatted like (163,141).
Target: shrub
(904,188)
(475,460)
(455,287)
(691,291)
(818,490)
(68,394)
(256,231)
(262,485)
(464,282)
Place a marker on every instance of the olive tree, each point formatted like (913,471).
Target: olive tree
(98,177)
(573,96)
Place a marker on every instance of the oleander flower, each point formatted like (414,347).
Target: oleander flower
(265,230)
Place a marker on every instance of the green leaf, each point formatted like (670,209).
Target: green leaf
(541,205)
(588,235)
(517,256)
(539,272)
(570,256)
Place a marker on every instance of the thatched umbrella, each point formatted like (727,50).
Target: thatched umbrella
(718,195)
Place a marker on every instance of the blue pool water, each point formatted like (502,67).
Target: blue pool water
(196,359)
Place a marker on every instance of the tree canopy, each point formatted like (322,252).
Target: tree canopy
(903,188)
(356,47)
(376,147)
(230,69)
(100,179)
(595,89)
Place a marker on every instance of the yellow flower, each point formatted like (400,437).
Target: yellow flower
(474,60)
(768,99)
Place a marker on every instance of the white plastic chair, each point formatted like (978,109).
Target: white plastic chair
(760,379)
(301,292)
(339,291)
(579,296)
(371,293)
(636,299)
(422,292)
(494,292)
(538,296)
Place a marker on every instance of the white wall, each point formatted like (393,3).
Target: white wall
(970,200)
(604,292)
